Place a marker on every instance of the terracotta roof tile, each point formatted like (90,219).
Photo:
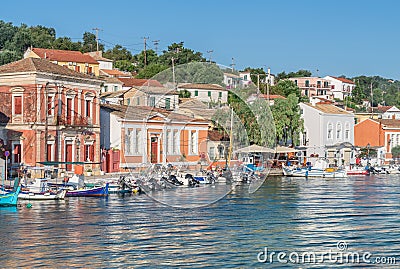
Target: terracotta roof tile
(328,108)
(64,55)
(42,66)
(345,80)
(202,86)
(136,82)
(114,72)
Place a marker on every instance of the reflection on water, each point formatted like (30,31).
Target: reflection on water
(136,231)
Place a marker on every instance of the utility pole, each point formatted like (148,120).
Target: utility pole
(233,64)
(173,72)
(210,53)
(97,36)
(156,42)
(145,54)
(268,82)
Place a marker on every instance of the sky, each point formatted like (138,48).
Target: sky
(351,38)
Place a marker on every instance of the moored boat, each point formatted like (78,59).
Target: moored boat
(10,198)
(89,192)
(39,189)
(320,169)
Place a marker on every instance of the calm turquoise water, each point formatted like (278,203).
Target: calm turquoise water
(135,232)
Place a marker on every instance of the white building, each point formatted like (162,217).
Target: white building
(391,113)
(208,93)
(341,87)
(328,132)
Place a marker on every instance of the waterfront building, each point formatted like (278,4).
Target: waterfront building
(328,132)
(340,87)
(74,60)
(145,135)
(382,134)
(314,86)
(49,113)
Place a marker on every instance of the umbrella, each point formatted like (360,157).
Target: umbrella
(255,148)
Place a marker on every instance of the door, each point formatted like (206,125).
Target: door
(154,150)
(68,156)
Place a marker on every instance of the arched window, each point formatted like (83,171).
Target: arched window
(330,131)
(347,131)
(339,131)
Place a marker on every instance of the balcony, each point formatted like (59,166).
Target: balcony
(76,120)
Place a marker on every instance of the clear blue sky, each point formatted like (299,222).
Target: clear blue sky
(352,37)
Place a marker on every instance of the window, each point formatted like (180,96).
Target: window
(128,141)
(347,134)
(17,153)
(128,101)
(306,92)
(330,130)
(211,153)
(347,131)
(167,140)
(325,84)
(339,131)
(89,153)
(295,81)
(196,93)
(137,101)
(209,94)
(175,141)
(152,101)
(318,84)
(307,83)
(50,106)
(77,68)
(88,104)
(17,105)
(90,70)
(220,94)
(115,88)
(193,142)
(167,103)
(138,136)
(105,88)
(245,77)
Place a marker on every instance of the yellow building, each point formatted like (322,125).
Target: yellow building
(74,60)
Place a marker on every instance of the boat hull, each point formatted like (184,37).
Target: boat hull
(11,198)
(304,172)
(93,192)
(42,196)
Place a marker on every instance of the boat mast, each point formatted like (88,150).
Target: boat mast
(230,138)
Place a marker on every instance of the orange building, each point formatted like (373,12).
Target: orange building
(49,113)
(378,133)
(74,60)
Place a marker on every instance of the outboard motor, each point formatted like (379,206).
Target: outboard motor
(192,181)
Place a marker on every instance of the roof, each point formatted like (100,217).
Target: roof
(384,108)
(40,66)
(98,56)
(137,82)
(139,113)
(115,73)
(112,94)
(390,123)
(112,80)
(272,96)
(202,86)
(345,80)
(328,109)
(64,55)
(192,103)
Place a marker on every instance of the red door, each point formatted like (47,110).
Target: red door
(154,147)
(68,156)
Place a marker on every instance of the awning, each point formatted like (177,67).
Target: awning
(255,149)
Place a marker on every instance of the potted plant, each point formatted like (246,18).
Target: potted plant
(89,172)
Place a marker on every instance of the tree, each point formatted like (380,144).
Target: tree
(90,43)
(118,53)
(151,70)
(42,37)
(7,56)
(286,87)
(396,152)
(253,72)
(124,65)
(181,55)
(300,73)
(288,123)
(7,32)
(184,94)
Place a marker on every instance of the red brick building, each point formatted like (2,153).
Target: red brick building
(34,90)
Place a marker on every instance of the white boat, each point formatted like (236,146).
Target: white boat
(40,190)
(320,169)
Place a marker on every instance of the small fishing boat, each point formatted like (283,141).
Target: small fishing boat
(320,169)
(357,171)
(39,190)
(89,192)
(10,198)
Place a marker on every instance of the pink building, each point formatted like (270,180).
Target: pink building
(313,86)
